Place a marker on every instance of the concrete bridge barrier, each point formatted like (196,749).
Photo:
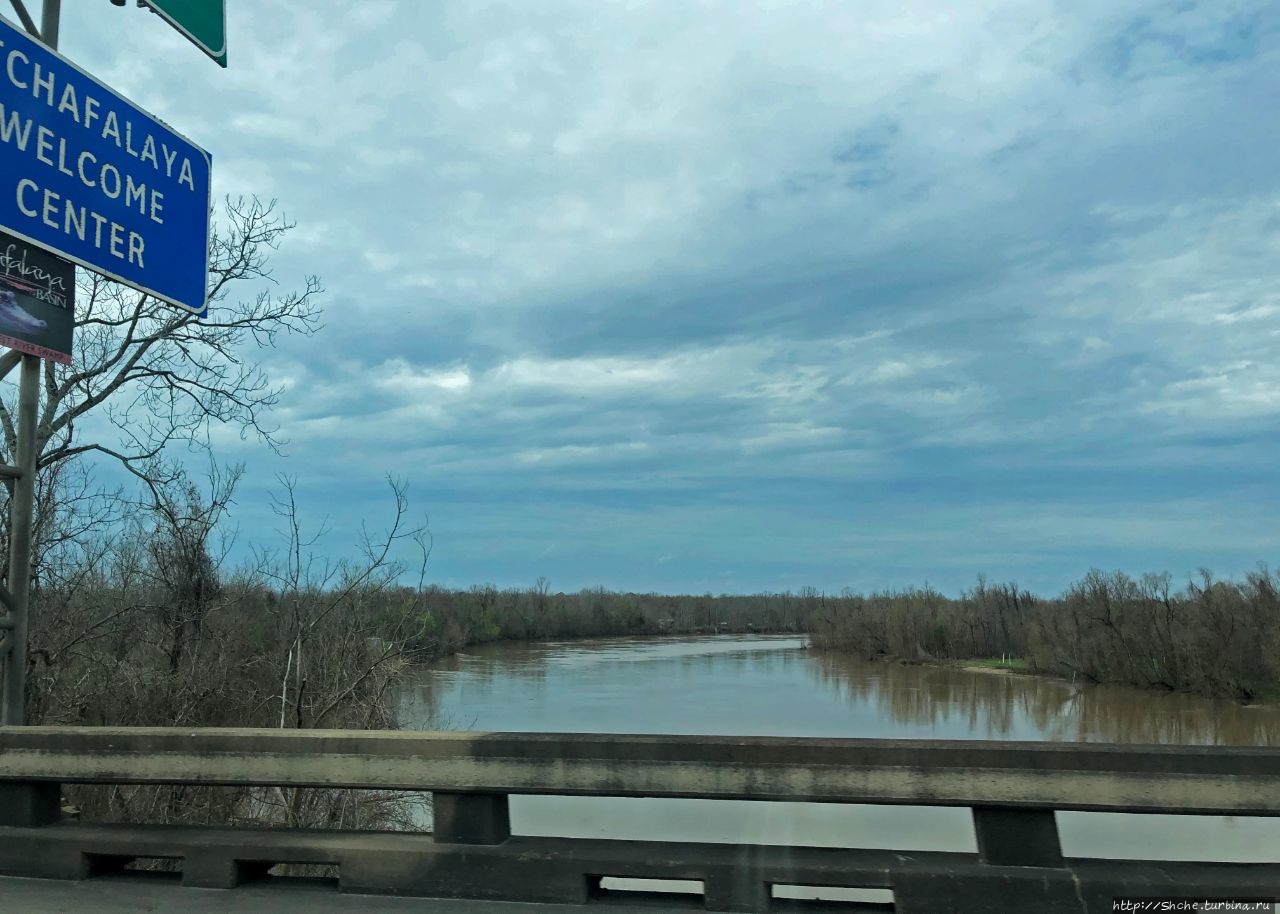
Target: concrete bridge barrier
(1013,789)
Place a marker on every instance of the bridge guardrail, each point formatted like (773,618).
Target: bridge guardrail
(1013,788)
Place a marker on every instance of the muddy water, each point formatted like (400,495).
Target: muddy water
(775,686)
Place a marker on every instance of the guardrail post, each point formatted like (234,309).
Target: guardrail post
(29,804)
(739,891)
(217,869)
(1017,837)
(470,818)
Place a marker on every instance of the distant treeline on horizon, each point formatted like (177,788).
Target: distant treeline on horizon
(1217,638)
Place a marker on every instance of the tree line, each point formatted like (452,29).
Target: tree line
(1211,637)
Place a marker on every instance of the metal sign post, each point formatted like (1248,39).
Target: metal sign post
(21,507)
(17,596)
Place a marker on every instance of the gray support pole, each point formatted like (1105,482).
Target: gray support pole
(23,497)
(21,506)
(50,16)
(9,361)
(27,22)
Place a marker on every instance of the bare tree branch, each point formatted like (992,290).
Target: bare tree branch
(158,375)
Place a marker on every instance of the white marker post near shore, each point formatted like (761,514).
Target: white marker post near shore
(86,177)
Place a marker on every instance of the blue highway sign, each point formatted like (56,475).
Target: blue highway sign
(88,175)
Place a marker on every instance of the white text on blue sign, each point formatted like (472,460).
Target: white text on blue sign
(96,179)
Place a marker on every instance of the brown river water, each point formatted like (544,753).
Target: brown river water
(775,686)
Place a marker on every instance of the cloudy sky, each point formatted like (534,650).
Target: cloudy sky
(718,296)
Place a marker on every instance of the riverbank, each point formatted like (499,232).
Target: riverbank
(998,667)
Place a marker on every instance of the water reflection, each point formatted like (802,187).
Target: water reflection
(960,704)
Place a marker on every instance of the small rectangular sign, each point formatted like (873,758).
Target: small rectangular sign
(204,22)
(37,300)
(88,175)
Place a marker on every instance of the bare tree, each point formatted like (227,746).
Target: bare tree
(182,562)
(157,632)
(145,375)
(345,630)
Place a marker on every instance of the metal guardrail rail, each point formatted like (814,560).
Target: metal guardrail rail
(1013,788)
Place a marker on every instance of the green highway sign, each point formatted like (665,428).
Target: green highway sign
(203,21)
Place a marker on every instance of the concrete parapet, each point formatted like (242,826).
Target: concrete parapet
(1014,790)
(1063,776)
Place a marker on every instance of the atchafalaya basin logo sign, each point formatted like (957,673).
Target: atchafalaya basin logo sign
(86,174)
(37,300)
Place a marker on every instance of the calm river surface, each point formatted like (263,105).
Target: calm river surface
(773,686)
